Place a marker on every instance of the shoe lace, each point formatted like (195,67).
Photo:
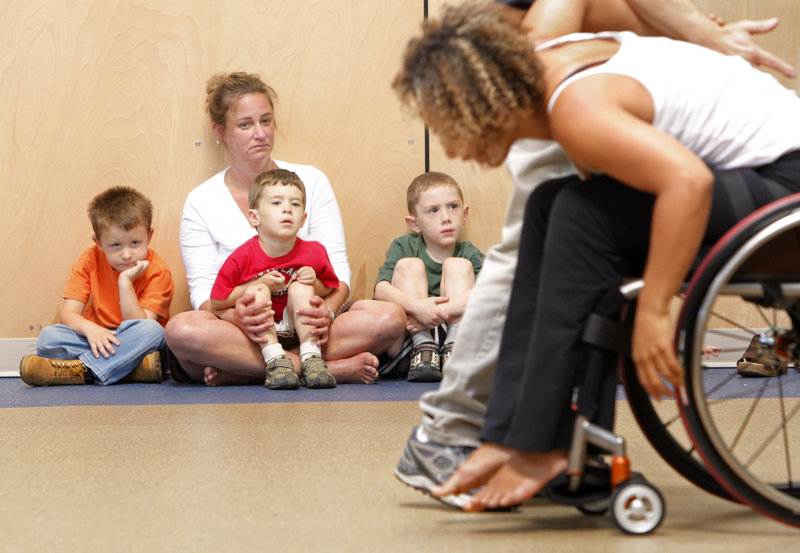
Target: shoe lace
(68,368)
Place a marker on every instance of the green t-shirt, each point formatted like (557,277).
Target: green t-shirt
(413,245)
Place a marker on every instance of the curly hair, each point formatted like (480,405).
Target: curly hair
(471,74)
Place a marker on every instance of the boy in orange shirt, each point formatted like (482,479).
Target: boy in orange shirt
(116,303)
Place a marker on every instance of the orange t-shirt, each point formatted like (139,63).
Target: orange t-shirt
(92,281)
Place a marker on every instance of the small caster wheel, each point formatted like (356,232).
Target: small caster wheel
(637,507)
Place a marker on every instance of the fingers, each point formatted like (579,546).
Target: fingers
(755,27)
(761,58)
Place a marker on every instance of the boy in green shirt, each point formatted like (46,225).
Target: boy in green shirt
(430,273)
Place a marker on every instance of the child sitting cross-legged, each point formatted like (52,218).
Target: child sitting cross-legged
(430,274)
(115,303)
(277,266)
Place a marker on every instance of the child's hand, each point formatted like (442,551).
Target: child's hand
(427,313)
(101,340)
(274,280)
(305,275)
(708,351)
(136,271)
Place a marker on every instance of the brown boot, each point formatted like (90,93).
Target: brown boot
(40,371)
(149,370)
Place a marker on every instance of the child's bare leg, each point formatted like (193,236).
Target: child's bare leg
(425,366)
(280,373)
(519,479)
(458,278)
(479,467)
(313,369)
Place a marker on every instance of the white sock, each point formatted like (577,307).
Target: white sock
(271,351)
(307,349)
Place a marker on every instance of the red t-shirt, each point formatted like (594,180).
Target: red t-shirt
(92,281)
(249,261)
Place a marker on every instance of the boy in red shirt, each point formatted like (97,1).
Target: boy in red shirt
(277,266)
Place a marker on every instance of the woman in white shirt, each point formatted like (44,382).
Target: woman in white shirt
(224,350)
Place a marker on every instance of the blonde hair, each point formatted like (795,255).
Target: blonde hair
(224,89)
(274,177)
(122,206)
(426,181)
(472,74)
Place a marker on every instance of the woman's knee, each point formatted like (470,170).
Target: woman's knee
(385,318)
(184,331)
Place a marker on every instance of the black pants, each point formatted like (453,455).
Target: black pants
(579,239)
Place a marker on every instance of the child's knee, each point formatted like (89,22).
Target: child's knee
(298,294)
(408,268)
(260,290)
(456,266)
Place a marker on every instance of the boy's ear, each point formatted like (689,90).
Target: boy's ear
(412,222)
(466,212)
(305,216)
(150,235)
(96,241)
(252,216)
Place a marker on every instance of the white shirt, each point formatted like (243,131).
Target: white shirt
(727,112)
(212,226)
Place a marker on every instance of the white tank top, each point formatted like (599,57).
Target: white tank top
(727,112)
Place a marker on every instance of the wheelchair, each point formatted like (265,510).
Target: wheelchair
(728,434)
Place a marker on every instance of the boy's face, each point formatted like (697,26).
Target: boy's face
(123,248)
(279,214)
(440,215)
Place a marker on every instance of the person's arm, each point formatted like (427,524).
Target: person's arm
(128,299)
(423,312)
(274,280)
(684,20)
(199,254)
(101,340)
(679,19)
(325,226)
(603,122)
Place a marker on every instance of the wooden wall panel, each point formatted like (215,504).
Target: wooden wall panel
(99,93)
(103,93)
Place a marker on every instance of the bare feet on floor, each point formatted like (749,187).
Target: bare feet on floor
(475,471)
(362,368)
(519,479)
(215,377)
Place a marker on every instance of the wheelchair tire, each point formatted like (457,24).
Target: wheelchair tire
(759,467)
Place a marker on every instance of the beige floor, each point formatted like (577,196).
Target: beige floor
(296,477)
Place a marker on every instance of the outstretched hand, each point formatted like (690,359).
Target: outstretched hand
(737,39)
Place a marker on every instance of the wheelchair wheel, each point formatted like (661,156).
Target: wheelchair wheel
(747,430)
(664,429)
(637,507)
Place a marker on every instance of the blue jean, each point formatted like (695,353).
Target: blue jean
(137,338)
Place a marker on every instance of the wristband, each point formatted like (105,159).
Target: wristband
(333,315)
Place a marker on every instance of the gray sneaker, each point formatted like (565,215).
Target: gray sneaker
(426,464)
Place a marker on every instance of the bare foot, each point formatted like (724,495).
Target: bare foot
(475,471)
(522,477)
(215,377)
(362,368)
